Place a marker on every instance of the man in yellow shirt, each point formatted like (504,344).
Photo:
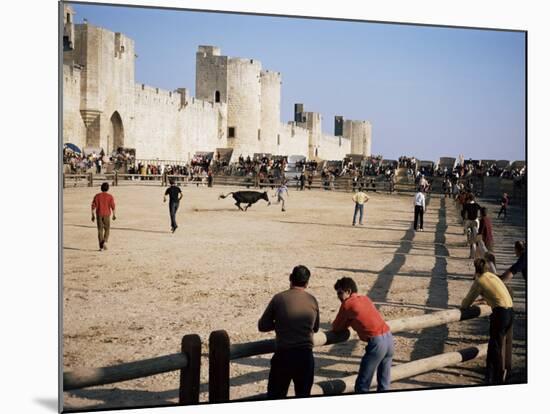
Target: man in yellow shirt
(495,293)
(360,198)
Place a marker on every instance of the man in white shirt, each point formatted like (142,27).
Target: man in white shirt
(419,208)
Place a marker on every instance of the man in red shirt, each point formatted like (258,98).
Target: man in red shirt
(103,203)
(359,313)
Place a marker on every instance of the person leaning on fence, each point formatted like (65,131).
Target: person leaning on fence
(175,194)
(520,248)
(294,315)
(359,313)
(359,198)
(496,294)
(469,213)
(490,259)
(485,231)
(103,204)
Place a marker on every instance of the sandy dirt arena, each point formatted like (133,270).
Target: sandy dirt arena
(222,266)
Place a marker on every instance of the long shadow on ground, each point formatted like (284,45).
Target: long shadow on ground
(431,341)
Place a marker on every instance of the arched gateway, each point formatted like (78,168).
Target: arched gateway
(115,138)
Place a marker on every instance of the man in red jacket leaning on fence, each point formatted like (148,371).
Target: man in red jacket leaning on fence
(359,313)
(294,315)
(103,203)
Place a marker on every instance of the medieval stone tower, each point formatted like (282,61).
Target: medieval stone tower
(252,96)
(270,111)
(105,87)
(359,132)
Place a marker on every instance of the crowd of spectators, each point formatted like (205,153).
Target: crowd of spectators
(123,157)
(80,163)
(264,168)
(471,168)
(201,161)
(407,162)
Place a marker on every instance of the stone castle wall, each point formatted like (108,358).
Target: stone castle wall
(183,125)
(333,148)
(293,140)
(104,107)
(74,129)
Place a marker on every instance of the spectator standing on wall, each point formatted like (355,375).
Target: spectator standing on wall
(470,211)
(294,315)
(103,204)
(310,180)
(331,179)
(210,178)
(359,313)
(449,188)
(175,194)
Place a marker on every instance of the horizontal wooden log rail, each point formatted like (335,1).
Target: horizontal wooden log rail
(267,346)
(89,377)
(402,371)
(188,361)
(340,184)
(222,351)
(398,372)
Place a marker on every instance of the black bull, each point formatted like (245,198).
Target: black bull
(247,197)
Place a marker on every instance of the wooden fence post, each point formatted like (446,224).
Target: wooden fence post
(190,376)
(218,370)
(90,179)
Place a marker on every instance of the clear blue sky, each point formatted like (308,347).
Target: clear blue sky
(427,91)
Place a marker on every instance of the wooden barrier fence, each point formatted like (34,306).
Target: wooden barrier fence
(402,371)
(188,362)
(115,178)
(222,351)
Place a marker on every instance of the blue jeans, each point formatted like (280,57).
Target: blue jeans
(378,357)
(173,207)
(358,208)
